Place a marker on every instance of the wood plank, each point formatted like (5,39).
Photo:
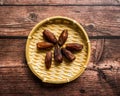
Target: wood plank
(105,52)
(9,50)
(20,81)
(60,2)
(97,20)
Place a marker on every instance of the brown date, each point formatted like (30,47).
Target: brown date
(49,36)
(44,45)
(63,37)
(68,54)
(57,54)
(74,46)
(48,60)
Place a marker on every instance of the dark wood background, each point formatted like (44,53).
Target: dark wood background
(101,20)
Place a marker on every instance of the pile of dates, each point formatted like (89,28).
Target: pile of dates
(59,50)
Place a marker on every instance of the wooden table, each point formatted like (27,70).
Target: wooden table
(101,20)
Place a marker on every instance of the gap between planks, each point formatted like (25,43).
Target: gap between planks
(60,2)
(60,5)
(91,37)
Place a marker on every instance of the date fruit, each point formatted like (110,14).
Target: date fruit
(68,54)
(63,37)
(44,45)
(74,47)
(48,60)
(57,54)
(49,36)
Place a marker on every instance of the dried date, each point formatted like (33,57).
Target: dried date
(63,37)
(57,54)
(68,54)
(48,59)
(44,45)
(74,46)
(49,36)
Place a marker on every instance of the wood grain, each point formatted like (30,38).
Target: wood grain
(97,20)
(60,2)
(99,79)
(20,81)
(10,48)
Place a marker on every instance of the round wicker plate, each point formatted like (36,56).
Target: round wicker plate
(66,71)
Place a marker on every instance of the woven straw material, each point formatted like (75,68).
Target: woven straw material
(66,71)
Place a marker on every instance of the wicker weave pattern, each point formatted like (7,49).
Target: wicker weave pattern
(66,71)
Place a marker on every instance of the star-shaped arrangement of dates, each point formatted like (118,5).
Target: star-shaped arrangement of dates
(59,50)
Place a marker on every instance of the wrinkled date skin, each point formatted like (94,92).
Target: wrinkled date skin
(48,59)
(68,54)
(74,46)
(49,36)
(63,37)
(44,45)
(58,55)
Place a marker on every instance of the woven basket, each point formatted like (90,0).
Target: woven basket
(66,71)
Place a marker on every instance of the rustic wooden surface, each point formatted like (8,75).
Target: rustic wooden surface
(101,20)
